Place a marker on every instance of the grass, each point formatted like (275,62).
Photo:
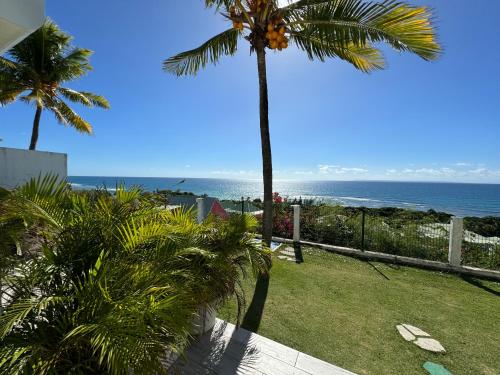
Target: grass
(344,311)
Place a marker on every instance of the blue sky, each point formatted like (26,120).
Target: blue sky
(414,121)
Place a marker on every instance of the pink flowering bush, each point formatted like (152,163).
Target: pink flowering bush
(282,217)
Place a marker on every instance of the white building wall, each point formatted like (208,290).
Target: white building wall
(19,166)
(18,19)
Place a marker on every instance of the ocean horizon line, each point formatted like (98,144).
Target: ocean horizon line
(292,180)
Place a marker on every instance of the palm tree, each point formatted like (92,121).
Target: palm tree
(344,29)
(37,69)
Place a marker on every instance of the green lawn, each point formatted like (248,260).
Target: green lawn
(344,311)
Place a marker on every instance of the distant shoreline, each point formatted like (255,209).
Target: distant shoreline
(294,180)
(475,200)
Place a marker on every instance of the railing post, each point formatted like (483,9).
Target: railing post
(200,205)
(362,229)
(456,237)
(296,222)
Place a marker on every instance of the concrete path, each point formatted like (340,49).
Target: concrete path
(229,351)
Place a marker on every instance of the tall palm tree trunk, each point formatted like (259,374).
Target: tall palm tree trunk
(36,127)
(267,163)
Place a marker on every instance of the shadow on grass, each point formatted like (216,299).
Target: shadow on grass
(376,269)
(253,316)
(478,283)
(299,258)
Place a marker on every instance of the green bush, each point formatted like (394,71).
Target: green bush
(108,282)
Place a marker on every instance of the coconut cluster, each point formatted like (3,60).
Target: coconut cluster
(237,24)
(276,36)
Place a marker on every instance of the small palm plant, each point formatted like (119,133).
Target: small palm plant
(345,29)
(112,283)
(36,71)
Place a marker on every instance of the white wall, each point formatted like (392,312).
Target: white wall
(18,19)
(19,166)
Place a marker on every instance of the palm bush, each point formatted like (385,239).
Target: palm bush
(110,283)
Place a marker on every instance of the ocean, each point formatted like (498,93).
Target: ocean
(454,198)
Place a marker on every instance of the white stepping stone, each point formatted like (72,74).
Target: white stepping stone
(430,345)
(284,257)
(420,338)
(407,335)
(415,330)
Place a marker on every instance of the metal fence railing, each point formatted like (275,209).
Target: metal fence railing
(354,228)
(387,230)
(412,239)
(479,251)
(241,206)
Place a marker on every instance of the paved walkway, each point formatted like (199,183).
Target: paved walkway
(229,351)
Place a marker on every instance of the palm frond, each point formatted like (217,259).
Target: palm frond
(217,4)
(10,94)
(72,66)
(86,98)
(365,58)
(18,311)
(66,116)
(190,62)
(41,199)
(6,63)
(404,27)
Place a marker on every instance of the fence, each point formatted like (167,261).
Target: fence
(479,251)
(241,206)
(417,236)
(341,226)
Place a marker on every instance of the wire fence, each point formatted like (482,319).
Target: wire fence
(479,251)
(412,239)
(354,228)
(387,230)
(241,206)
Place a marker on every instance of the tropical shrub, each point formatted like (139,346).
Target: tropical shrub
(110,283)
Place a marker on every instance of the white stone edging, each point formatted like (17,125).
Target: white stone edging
(397,259)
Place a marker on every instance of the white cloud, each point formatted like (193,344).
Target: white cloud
(187,166)
(443,173)
(337,169)
(326,169)
(462,164)
(480,172)
(353,170)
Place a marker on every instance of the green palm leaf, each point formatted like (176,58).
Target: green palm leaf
(365,58)
(190,62)
(404,27)
(66,116)
(86,98)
